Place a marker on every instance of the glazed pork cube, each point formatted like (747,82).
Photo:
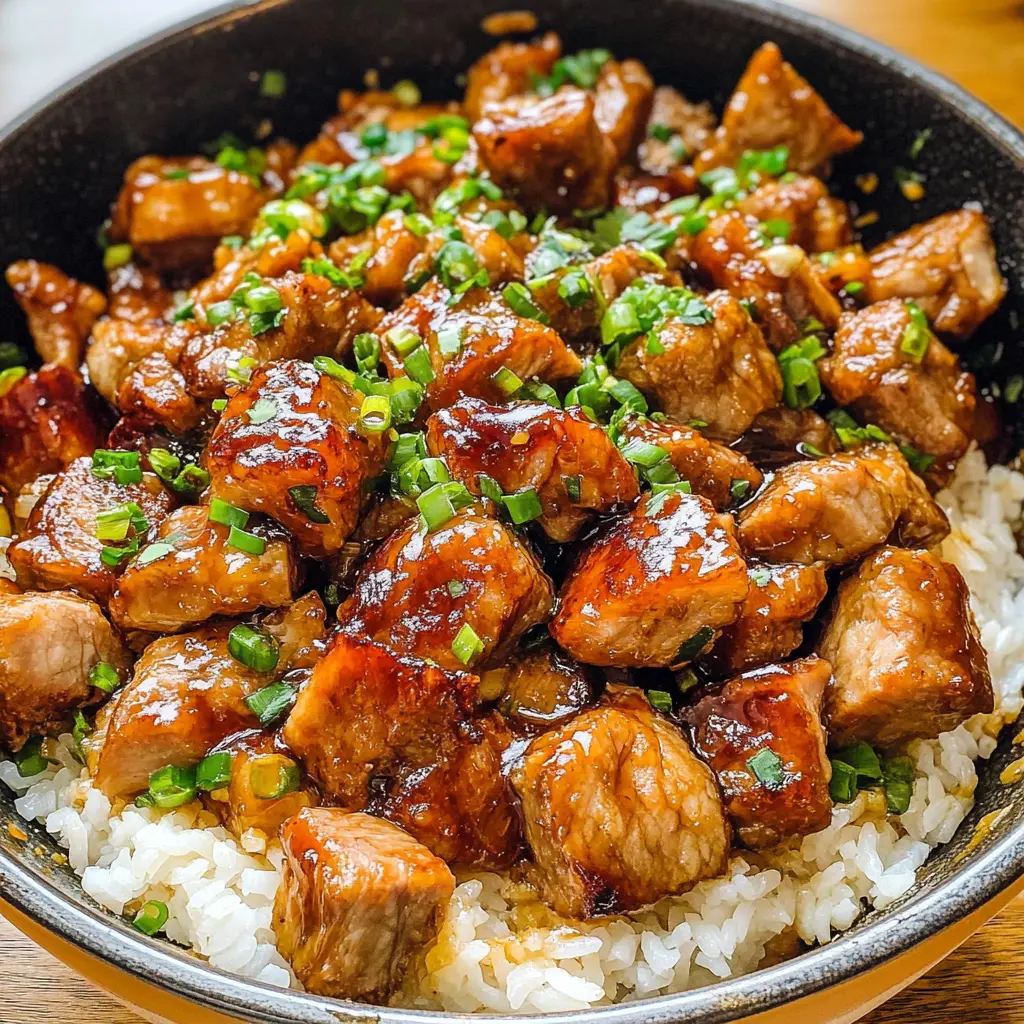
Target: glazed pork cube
(947,265)
(60,549)
(618,810)
(174,210)
(420,589)
(720,372)
(654,587)
(202,575)
(817,221)
(773,106)
(565,457)
(776,437)
(720,474)
(396,735)
(118,346)
(49,645)
(509,70)
(770,627)
(137,294)
(289,445)
(188,694)
(359,897)
(623,96)
(835,509)
(763,738)
(541,688)
(550,151)
(47,420)
(482,337)
(60,310)
(892,371)
(905,653)
(693,123)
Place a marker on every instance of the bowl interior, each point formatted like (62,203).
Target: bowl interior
(61,167)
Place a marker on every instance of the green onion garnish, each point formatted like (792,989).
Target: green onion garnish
(801,386)
(261,410)
(761,577)
(523,506)
(123,467)
(418,366)
(853,287)
(574,289)
(214,771)
(375,414)
(449,342)
(172,786)
(843,787)
(104,677)
(117,256)
(151,918)
(467,645)
(226,514)
(253,648)
(152,552)
(490,488)
(273,777)
(272,701)
(113,523)
(917,334)
(273,84)
(366,349)
(689,649)
(573,486)
(660,701)
(456,588)
(29,760)
(521,303)
(767,767)
(403,339)
(540,392)
(640,453)
(440,502)
(245,541)
(738,489)
(862,758)
(506,381)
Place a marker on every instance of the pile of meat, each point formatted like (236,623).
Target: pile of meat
(533,389)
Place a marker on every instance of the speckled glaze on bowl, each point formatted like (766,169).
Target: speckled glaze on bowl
(60,165)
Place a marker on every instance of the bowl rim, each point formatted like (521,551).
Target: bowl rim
(170,968)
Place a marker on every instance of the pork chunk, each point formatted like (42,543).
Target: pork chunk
(924,400)
(947,265)
(509,70)
(763,738)
(203,576)
(654,587)
(49,643)
(541,689)
(905,653)
(393,734)
(770,627)
(777,435)
(693,123)
(773,106)
(359,897)
(60,310)
(188,694)
(291,435)
(721,373)
(531,444)
(833,510)
(618,811)
(817,221)
(622,100)
(59,549)
(402,596)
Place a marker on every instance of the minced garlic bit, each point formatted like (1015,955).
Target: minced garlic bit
(867,183)
(781,260)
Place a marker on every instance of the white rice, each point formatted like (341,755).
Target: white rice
(502,951)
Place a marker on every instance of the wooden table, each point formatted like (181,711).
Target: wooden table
(980,44)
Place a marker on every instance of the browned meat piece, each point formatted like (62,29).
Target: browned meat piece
(293,434)
(60,310)
(779,280)
(319,319)
(509,70)
(947,266)
(392,733)
(175,220)
(693,123)
(255,773)
(358,898)
(47,420)
(877,366)
(773,106)
(654,587)
(818,222)
(491,337)
(763,738)
(542,689)
(715,472)
(618,811)
(721,373)
(203,576)
(905,653)
(59,549)
(49,643)
(622,101)
(402,596)
(550,151)
(835,509)
(188,694)
(118,346)
(156,391)
(770,627)
(531,444)
(774,435)
(137,294)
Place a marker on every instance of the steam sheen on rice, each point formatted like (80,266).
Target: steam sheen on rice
(499,949)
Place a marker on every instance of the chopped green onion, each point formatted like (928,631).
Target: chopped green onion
(919,142)
(625,393)
(151,918)
(220,313)
(456,588)
(262,410)
(686,680)
(274,776)
(843,787)
(917,334)
(435,470)
(366,349)
(152,552)
(122,466)
(738,489)
(862,758)
(506,381)
(418,365)
(219,404)
(29,760)
(853,287)
(214,771)
(808,450)
(620,323)
(304,496)
(375,414)
(172,786)
(186,311)
(10,376)
(661,132)
(104,677)
(418,224)
(449,341)
(273,84)
(521,303)
(801,386)
(574,289)
(573,486)
(80,728)
(762,577)
(467,645)
(403,339)
(270,703)
(489,488)
(113,523)
(245,541)
(117,256)
(919,462)
(227,515)
(767,768)
(440,502)
(660,701)
(689,649)
(523,506)
(640,453)
(540,392)
(254,648)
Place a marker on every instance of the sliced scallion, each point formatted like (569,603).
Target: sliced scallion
(104,677)
(226,514)
(523,506)
(418,366)
(214,771)
(689,649)
(767,767)
(507,382)
(245,541)
(467,645)
(253,648)
(151,918)
(660,701)
(270,703)
(172,786)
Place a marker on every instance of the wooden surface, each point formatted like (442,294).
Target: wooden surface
(980,44)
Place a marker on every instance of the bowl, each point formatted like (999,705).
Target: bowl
(60,165)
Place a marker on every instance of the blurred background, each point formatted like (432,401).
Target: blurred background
(978,43)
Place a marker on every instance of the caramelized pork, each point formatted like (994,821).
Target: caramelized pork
(817,222)
(905,652)
(541,689)
(692,123)
(618,811)
(654,587)
(622,101)
(763,738)
(359,897)
(566,457)
(777,436)
(509,70)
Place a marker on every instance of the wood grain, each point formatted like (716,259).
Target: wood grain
(980,44)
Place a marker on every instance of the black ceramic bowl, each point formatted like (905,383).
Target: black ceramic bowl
(61,164)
